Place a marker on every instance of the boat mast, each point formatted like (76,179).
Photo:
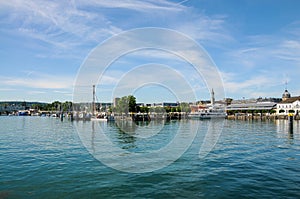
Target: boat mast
(93,104)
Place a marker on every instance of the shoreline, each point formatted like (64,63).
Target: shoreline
(258,117)
(169,117)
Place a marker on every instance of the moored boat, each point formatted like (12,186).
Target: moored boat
(208,114)
(23,113)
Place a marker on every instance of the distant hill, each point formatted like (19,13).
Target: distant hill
(20,103)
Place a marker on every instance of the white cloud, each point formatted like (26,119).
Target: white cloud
(289,50)
(208,30)
(71,24)
(140,6)
(59,24)
(39,80)
(251,63)
(259,85)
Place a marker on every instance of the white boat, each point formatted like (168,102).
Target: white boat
(99,119)
(209,113)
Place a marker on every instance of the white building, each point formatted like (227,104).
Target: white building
(288,104)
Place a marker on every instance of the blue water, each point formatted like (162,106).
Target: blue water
(43,157)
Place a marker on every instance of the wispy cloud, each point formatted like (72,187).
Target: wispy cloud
(289,50)
(252,86)
(58,24)
(251,64)
(72,24)
(140,6)
(39,80)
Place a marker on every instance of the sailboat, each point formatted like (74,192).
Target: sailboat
(99,117)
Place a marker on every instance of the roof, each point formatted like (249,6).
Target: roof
(286,93)
(252,106)
(290,100)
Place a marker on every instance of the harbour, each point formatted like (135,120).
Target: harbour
(150,99)
(43,157)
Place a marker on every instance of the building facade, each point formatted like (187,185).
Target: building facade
(288,105)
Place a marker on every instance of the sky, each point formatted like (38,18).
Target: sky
(254,44)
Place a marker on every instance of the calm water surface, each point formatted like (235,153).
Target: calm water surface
(44,158)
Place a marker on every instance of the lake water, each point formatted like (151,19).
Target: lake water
(43,157)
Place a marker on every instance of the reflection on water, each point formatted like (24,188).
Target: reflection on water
(126,126)
(285,129)
(137,147)
(44,158)
(126,134)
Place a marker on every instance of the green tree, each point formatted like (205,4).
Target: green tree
(159,109)
(143,109)
(55,106)
(131,103)
(185,107)
(67,106)
(173,109)
(36,106)
(272,111)
(122,106)
(178,109)
(168,109)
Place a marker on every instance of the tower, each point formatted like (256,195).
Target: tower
(286,95)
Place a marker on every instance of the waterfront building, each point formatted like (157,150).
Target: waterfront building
(103,106)
(165,104)
(288,104)
(206,105)
(286,95)
(251,107)
(116,100)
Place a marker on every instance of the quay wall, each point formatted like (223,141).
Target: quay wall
(258,117)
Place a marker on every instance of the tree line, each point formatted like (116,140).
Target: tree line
(127,104)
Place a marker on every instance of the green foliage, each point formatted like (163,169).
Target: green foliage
(144,109)
(157,110)
(272,111)
(126,104)
(173,109)
(67,106)
(55,106)
(131,103)
(168,109)
(122,106)
(185,107)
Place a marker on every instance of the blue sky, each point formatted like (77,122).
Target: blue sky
(254,43)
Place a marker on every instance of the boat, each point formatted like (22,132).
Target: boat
(99,118)
(208,114)
(23,113)
(211,111)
